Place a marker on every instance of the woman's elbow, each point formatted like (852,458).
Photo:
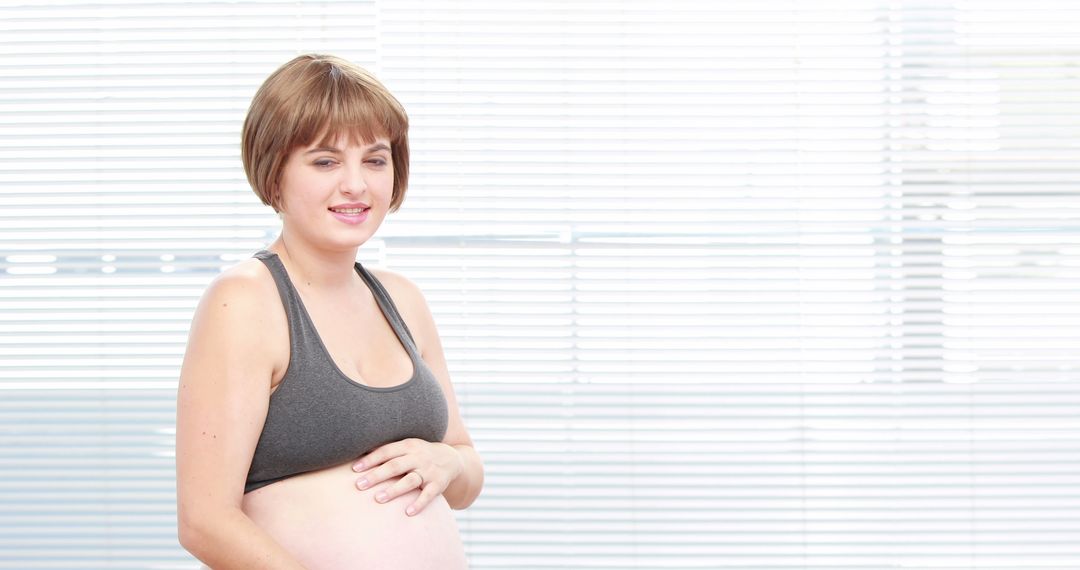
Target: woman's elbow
(194,533)
(191,535)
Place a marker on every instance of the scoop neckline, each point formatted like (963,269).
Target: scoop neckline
(385,310)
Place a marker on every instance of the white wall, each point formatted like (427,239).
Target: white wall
(723,285)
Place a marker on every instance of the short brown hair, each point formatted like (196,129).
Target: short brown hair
(317,95)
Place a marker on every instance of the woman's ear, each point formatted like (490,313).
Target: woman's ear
(275,199)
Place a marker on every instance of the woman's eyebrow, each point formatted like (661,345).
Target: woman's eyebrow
(374,148)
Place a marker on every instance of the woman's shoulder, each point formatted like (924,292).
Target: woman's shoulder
(409,300)
(236,327)
(246,288)
(405,293)
(394,281)
(248,274)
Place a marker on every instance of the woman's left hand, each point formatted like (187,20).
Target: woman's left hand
(424,465)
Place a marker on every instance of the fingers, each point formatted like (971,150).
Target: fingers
(427,494)
(392,468)
(384,462)
(412,480)
(384,453)
(415,464)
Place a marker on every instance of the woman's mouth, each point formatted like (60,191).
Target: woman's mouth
(350,215)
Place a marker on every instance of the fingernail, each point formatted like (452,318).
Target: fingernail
(410,511)
(358,467)
(381,497)
(362,483)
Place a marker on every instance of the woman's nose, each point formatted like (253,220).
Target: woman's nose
(353,181)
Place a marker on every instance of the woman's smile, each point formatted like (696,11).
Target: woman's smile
(350,213)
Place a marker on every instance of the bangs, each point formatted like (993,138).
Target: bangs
(344,107)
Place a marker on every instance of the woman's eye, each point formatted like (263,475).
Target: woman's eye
(324,162)
(377,162)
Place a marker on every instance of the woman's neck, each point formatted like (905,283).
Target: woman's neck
(318,268)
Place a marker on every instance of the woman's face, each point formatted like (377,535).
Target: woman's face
(336,196)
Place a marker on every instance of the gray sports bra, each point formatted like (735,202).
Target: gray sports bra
(318,417)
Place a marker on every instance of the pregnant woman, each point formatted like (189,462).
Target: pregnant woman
(316,423)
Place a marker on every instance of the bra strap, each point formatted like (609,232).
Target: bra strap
(290,299)
(386,303)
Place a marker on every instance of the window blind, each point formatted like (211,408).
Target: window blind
(765,285)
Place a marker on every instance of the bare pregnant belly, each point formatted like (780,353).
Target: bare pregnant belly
(327,523)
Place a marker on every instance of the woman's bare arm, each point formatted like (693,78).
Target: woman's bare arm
(222,401)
